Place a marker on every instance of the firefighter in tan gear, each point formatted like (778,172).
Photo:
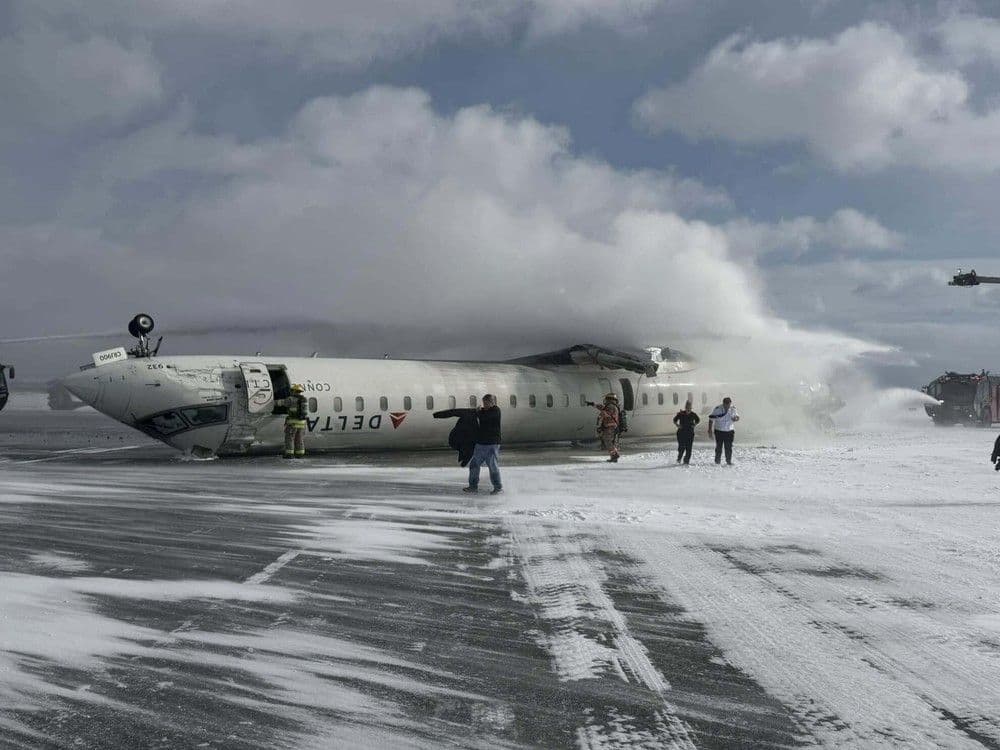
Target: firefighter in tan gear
(295,422)
(609,425)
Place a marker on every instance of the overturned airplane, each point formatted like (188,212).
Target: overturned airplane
(228,405)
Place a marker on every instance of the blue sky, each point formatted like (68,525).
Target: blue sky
(643,171)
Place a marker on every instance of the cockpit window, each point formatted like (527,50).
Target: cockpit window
(199,416)
(166,423)
(190,417)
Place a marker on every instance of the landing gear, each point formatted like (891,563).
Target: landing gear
(140,327)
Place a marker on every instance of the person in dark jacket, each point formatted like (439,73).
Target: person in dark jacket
(462,437)
(685,420)
(487,450)
(995,458)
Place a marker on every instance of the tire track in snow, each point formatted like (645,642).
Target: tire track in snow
(958,557)
(589,638)
(767,625)
(937,661)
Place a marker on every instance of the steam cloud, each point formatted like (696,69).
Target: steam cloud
(478,234)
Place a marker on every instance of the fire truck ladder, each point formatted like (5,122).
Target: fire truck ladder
(972,279)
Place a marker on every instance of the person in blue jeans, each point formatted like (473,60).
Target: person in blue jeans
(487,450)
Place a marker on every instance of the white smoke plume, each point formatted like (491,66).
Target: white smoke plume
(477,234)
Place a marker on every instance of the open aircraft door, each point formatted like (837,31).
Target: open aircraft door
(247,417)
(622,388)
(259,389)
(627,394)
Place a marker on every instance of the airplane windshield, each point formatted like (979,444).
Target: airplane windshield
(166,423)
(186,418)
(203,415)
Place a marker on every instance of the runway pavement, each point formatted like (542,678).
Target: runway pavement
(159,603)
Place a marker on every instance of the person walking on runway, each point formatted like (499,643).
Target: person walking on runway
(722,422)
(685,421)
(487,448)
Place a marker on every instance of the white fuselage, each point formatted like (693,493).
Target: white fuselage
(225,405)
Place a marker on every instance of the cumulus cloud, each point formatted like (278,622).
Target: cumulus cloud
(555,16)
(846,230)
(861,100)
(351,32)
(968,39)
(52,82)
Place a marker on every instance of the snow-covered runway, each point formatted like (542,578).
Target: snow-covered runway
(842,595)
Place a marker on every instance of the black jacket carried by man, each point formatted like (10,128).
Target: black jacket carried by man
(462,437)
(686,420)
(489,426)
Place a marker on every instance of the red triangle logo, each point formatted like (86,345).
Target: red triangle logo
(397,418)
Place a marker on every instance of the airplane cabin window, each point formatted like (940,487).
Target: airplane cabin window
(451,402)
(383,403)
(313,405)
(338,403)
(645,399)
(531,401)
(359,404)
(472,402)
(676,399)
(659,399)
(549,400)
(513,401)
(407,403)
(430,403)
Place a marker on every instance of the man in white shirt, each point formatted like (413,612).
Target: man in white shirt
(722,422)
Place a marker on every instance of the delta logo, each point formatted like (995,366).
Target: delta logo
(397,418)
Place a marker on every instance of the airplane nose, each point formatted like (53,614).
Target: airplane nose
(85,386)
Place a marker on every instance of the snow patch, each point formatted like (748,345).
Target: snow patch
(565,582)
(59,561)
(374,539)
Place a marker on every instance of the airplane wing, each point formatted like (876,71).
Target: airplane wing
(648,362)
